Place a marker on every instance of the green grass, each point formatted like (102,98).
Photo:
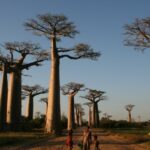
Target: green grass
(19,138)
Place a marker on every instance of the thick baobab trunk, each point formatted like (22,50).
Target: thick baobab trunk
(97,115)
(46,107)
(53,111)
(130,119)
(30,107)
(80,119)
(77,116)
(90,117)
(93,115)
(3,99)
(70,112)
(14,101)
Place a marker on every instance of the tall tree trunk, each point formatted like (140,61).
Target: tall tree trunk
(14,100)
(80,119)
(53,111)
(97,115)
(30,107)
(70,112)
(89,123)
(76,116)
(93,115)
(130,119)
(3,99)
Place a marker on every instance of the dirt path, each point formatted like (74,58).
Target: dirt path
(108,142)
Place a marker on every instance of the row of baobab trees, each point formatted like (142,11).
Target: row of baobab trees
(75,110)
(14,56)
(18,56)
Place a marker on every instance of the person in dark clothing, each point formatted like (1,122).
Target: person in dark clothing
(96,143)
(69,141)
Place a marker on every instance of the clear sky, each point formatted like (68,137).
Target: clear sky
(121,71)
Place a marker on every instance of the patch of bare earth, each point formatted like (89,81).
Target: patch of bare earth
(108,141)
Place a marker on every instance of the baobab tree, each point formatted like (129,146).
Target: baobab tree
(4,67)
(17,53)
(31,92)
(137,34)
(71,89)
(99,114)
(95,97)
(90,113)
(77,108)
(129,109)
(106,116)
(81,113)
(45,100)
(54,27)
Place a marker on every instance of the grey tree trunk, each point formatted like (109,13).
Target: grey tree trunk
(3,99)
(80,119)
(77,116)
(30,107)
(130,119)
(93,115)
(14,101)
(71,112)
(90,117)
(53,111)
(97,115)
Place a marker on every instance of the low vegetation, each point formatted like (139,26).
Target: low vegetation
(10,139)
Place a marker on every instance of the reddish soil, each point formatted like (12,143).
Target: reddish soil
(108,141)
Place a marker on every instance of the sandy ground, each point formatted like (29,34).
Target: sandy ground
(107,141)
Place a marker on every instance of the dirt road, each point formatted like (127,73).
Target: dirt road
(108,141)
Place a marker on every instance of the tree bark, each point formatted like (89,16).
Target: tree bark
(53,111)
(71,112)
(80,119)
(3,99)
(93,115)
(89,123)
(130,119)
(96,115)
(14,100)
(30,107)
(77,116)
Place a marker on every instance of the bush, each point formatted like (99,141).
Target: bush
(64,121)
(120,124)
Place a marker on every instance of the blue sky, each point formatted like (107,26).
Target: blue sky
(121,71)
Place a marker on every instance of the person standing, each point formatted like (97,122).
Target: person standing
(96,143)
(87,137)
(69,141)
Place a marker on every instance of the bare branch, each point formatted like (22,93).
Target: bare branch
(82,51)
(129,107)
(34,63)
(45,100)
(34,90)
(71,88)
(51,25)
(94,95)
(137,34)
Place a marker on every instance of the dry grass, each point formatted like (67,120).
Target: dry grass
(39,141)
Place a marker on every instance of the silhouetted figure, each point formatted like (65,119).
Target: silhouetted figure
(86,139)
(96,143)
(69,141)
